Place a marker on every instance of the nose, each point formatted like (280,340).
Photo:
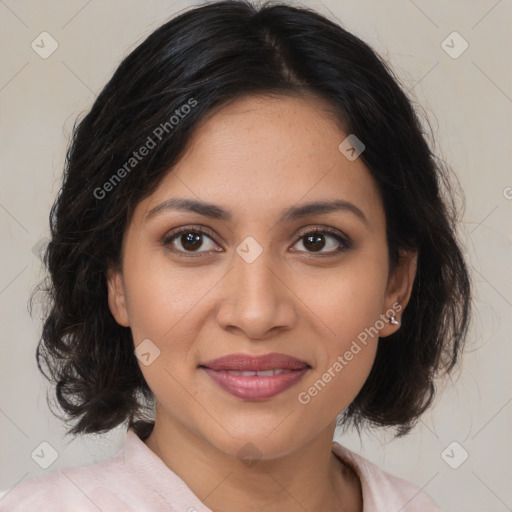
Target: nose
(256,299)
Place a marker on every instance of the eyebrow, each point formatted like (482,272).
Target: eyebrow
(290,214)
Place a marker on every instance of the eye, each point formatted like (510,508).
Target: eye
(188,241)
(315,241)
(196,242)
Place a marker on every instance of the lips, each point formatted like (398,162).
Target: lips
(245,363)
(255,378)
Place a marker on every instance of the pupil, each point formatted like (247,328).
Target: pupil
(316,241)
(191,241)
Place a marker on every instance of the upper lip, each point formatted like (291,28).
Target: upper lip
(245,362)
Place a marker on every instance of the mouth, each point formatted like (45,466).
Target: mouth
(255,378)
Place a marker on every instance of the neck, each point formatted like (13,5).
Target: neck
(309,478)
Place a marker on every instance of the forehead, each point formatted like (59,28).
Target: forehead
(262,154)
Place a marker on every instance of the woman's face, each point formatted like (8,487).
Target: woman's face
(262,271)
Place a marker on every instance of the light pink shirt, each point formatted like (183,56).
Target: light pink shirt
(137,480)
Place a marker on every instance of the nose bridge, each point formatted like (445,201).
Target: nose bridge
(255,280)
(257,299)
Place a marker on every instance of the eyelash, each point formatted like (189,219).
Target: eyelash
(166,241)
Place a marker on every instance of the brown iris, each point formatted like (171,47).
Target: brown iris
(314,242)
(191,241)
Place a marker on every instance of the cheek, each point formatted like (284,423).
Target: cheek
(166,306)
(333,388)
(349,307)
(163,298)
(349,300)
(347,353)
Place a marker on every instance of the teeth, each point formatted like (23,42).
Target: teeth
(264,373)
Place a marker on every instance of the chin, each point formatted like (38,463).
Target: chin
(261,438)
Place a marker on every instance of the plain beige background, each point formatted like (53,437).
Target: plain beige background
(468,100)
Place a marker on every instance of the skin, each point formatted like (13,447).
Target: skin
(255,158)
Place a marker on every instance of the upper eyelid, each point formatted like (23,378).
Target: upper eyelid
(325,229)
(179,231)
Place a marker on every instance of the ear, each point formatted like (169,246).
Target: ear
(117,297)
(398,291)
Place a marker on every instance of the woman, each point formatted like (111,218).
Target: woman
(251,246)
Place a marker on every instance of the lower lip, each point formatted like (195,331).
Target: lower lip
(255,387)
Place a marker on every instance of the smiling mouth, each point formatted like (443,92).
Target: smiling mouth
(263,373)
(255,378)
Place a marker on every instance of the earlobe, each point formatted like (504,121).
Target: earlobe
(399,291)
(116,297)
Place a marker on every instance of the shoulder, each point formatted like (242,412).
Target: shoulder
(86,488)
(135,479)
(383,491)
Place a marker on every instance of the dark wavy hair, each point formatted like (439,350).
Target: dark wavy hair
(213,55)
